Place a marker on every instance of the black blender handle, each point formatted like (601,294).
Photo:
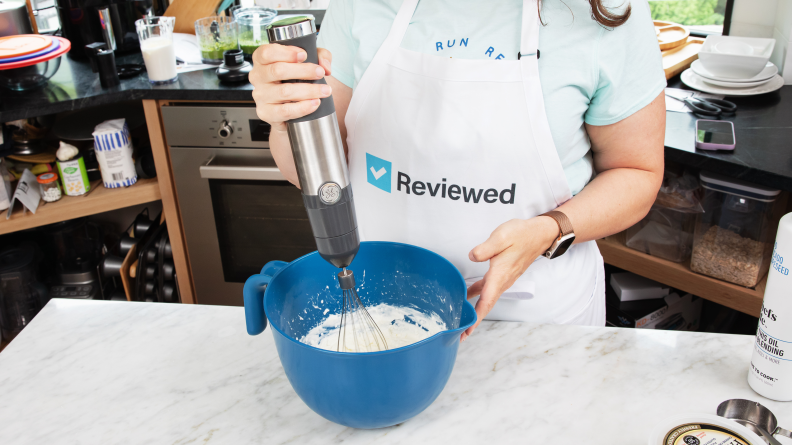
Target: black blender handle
(308,43)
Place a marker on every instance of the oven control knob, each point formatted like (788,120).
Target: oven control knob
(225,130)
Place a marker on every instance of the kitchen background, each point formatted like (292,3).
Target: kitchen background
(209,207)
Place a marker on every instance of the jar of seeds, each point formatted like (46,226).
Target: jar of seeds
(733,237)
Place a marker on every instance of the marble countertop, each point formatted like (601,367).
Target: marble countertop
(101,372)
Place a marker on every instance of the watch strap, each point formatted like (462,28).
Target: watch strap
(561,219)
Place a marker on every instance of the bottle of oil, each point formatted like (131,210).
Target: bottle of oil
(770,374)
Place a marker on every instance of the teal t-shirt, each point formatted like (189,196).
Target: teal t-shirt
(589,73)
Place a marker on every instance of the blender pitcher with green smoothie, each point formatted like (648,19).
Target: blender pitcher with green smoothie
(216,35)
(252,22)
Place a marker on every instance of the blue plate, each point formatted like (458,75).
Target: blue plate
(54,46)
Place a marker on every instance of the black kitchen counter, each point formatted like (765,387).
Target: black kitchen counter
(763,132)
(763,124)
(74,86)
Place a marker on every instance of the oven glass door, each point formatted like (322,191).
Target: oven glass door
(258,222)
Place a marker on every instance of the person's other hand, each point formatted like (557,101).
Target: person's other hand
(510,249)
(278,101)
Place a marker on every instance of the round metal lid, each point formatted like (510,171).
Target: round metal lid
(291,28)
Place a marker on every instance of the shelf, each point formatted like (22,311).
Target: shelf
(98,200)
(680,276)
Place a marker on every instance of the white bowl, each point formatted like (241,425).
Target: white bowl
(735,57)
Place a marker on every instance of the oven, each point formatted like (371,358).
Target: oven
(237,210)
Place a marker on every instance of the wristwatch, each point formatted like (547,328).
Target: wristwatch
(565,237)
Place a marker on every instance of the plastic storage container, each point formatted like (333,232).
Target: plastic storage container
(253,22)
(50,190)
(667,230)
(733,236)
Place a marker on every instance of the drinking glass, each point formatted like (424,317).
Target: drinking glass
(156,45)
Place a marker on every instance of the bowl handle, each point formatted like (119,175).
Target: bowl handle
(253,292)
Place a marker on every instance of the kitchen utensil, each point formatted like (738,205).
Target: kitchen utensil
(168,271)
(64,47)
(141,225)
(371,389)
(110,21)
(319,154)
(676,60)
(188,11)
(29,74)
(252,22)
(125,244)
(769,71)
(14,19)
(324,181)
(670,35)
(54,46)
(234,68)
(697,82)
(721,83)
(755,417)
(216,35)
(707,107)
(103,62)
(111,266)
(735,57)
(732,238)
(77,244)
(358,332)
(15,46)
(21,294)
(156,45)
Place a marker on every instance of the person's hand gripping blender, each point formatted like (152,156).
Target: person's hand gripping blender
(320,161)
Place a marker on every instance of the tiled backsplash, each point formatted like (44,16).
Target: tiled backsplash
(767,18)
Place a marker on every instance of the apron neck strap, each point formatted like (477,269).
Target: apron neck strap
(529,35)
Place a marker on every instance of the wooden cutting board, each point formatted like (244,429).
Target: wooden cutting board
(670,35)
(678,59)
(188,11)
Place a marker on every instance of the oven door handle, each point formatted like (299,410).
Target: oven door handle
(210,171)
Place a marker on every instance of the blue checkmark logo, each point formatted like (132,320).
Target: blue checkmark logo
(378,172)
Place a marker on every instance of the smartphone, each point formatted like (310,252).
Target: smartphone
(714,135)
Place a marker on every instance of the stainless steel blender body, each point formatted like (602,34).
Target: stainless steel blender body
(320,159)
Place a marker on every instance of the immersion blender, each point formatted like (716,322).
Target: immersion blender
(319,157)
(324,179)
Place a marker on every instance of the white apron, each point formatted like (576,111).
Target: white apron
(442,151)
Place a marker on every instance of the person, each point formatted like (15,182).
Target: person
(466,122)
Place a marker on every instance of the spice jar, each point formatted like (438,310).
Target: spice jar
(733,236)
(50,190)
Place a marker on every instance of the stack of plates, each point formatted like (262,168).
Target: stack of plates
(699,78)
(29,49)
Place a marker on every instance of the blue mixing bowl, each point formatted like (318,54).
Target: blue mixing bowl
(362,390)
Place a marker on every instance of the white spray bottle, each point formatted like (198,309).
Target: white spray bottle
(770,374)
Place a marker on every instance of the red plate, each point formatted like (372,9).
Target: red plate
(20,45)
(65,46)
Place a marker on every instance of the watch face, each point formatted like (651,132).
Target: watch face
(560,246)
(564,245)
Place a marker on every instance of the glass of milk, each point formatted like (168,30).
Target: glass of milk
(156,45)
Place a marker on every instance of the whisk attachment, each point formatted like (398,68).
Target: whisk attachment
(358,332)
